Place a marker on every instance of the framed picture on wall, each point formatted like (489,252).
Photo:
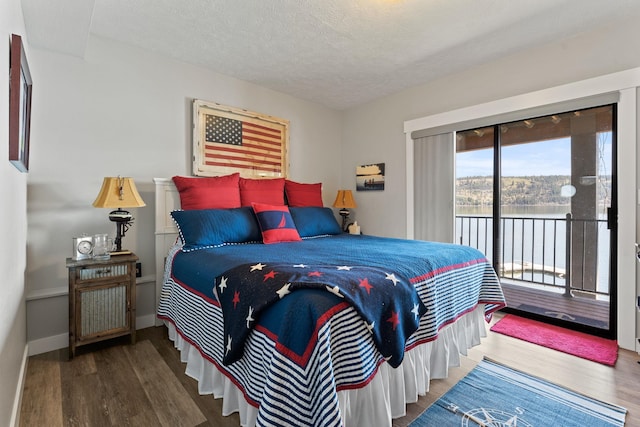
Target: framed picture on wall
(20,88)
(370,177)
(228,140)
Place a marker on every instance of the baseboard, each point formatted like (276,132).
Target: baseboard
(145,321)
(46,344)
(17,401)
(56,342)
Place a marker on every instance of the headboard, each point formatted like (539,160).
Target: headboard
(167,200)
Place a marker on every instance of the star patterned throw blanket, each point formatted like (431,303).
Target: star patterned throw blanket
(387,302)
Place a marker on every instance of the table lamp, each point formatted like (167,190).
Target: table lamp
(118,193)
(344,201)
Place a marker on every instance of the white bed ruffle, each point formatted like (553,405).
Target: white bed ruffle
(384,398)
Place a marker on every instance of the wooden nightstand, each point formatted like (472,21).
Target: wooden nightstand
(102,300)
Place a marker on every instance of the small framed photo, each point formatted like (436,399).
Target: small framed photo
(20,88)
(370,177)
(228,140)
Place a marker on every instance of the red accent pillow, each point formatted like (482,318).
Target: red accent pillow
(217,192)
(275,223)
(269,191)
(303,195)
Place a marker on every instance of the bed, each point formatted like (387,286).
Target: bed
(285,331)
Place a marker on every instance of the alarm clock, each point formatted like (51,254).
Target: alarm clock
(82,247)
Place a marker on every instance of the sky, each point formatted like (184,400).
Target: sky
(540,158)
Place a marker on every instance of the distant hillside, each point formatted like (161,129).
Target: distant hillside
(520,190)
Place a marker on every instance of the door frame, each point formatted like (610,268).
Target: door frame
(624,84)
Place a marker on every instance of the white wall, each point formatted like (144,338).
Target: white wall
(13,228)
(124,111)
(374,132)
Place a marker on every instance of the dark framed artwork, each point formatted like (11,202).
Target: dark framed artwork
(228,140)
(370,177)
(20,87)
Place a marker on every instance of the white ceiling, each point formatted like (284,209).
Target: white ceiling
(339,53)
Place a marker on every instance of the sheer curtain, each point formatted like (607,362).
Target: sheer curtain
(434,187)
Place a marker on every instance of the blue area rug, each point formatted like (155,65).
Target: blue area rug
(495,395)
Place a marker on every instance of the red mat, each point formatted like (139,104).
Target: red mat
(586,346)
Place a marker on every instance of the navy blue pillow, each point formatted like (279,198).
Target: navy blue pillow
(314,221)
(210,228)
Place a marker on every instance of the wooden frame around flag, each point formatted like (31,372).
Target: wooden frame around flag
(228,140)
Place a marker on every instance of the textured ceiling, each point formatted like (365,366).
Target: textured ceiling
(339,53)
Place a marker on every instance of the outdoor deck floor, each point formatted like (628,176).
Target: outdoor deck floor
(583,310)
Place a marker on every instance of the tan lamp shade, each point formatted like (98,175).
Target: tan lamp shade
(344,200)
(118,192)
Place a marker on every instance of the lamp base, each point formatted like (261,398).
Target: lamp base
(123,220)
(345,216)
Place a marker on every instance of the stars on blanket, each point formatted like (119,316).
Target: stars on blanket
(393,278)
(250,318)
(364,283)
(416,310)
(370,326)
(269,275)
(228,345)
(236,299)
(258,266)
(335,290)
(223,284)
(284,290)
(394,319)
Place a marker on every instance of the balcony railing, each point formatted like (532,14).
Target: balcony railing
(571,255)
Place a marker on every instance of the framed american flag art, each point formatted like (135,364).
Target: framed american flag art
(228,140)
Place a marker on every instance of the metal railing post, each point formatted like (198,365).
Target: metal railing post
(567,265)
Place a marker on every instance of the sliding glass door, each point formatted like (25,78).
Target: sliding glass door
(538,197)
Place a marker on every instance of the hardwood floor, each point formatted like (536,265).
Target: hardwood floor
(118,384)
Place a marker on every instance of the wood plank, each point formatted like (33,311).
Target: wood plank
(43,379)
(168,398)
(209,406)
(83,396)
(124,397)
